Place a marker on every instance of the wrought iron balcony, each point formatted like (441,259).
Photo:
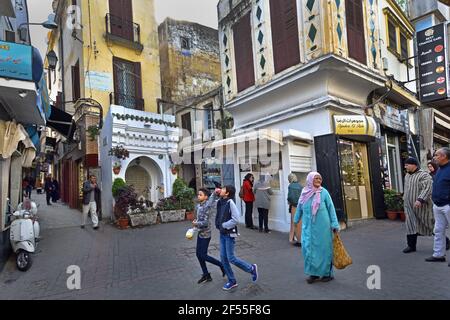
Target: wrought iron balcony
(126,101)
(123,32)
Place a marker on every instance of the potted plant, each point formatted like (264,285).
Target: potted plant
(93,132)
(167,208)
(175,168)
(126,201)
(119,152)
(117,167)
(393,203)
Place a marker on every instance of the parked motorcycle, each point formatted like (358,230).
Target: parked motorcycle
(24,233)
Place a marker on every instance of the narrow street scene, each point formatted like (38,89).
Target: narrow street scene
(224,150)
(158,262)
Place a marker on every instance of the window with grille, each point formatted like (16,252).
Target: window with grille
(127,84)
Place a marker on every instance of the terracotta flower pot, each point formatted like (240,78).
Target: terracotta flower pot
(392,215)
(123,223)
(116,170)
(190,216)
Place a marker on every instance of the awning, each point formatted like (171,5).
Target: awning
(273,135)
(62,122)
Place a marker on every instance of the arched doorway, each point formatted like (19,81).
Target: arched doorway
(139,178)
(146,177)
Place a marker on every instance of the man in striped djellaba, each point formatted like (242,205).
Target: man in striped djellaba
(418,205)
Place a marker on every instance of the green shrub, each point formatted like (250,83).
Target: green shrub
(118,183)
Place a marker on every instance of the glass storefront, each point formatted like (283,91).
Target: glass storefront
(354,166)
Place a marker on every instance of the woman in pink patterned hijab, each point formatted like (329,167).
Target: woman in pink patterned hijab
(319,221)
(312,189)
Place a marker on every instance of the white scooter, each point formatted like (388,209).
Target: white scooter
(24,233)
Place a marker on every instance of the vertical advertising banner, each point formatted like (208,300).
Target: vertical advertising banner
(432,57)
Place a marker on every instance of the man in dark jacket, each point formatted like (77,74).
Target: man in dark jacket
(441,207)
(91,201)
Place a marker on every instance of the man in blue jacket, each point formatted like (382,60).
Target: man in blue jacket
(441,207)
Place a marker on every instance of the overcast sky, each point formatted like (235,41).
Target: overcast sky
(201,11)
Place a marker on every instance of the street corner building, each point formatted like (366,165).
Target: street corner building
(330,84)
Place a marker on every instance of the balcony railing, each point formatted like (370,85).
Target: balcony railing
(126,101)
(123,31)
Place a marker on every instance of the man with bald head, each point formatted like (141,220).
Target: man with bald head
(441,207)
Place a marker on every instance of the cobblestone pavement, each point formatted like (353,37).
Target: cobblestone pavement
(157,262)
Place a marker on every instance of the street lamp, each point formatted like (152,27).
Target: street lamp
(52,60)
(49,24)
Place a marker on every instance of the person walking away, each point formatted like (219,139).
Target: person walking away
(441,204)
(294,191)
(55,192)
(262,193)
(202,223)
(226,221)
(417,203)
(91,201)
(48,187)
(315,208)
(249,197)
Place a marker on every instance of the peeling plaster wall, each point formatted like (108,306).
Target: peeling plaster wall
(186,73)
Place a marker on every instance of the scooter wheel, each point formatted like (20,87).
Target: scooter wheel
(23,260)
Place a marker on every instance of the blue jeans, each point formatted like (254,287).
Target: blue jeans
(227,256)
(202,254)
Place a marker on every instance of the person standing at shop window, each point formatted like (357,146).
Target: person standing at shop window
(294,192)
(263,192)
(249,198)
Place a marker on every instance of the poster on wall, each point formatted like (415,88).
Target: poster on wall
(432,57)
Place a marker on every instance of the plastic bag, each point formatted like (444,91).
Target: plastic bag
(190,233)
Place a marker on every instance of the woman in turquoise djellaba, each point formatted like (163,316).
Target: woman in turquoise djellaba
(316,210)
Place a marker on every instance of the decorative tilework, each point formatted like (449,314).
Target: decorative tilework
(259,13)
(260,37)
(312,32)
(310,4)
(262,63)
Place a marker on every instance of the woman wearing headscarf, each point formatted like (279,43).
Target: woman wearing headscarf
(294,191)
(319,221)
(432,168)
(263,192)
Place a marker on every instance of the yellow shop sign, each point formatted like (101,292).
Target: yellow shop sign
(355,125)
